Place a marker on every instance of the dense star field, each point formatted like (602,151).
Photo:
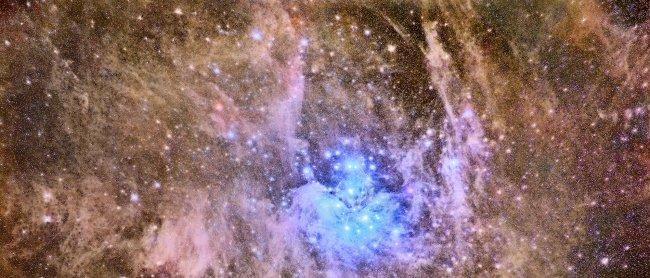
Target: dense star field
(315,138)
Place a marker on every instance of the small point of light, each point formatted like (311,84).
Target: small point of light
(215,69)
(604,261)
(134,197)
(468,113)
(304,42)
(47,196)
(257,35)
(307,172)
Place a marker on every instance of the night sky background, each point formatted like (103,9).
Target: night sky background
(320,138)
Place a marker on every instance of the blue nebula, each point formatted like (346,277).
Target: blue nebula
(354,221)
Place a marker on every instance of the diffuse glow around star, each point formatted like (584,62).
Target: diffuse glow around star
(353,221)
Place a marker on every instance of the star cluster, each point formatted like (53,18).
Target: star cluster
(354,219)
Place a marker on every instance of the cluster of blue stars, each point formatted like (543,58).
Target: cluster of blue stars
(353,221)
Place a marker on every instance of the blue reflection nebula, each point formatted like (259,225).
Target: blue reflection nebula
(354,221)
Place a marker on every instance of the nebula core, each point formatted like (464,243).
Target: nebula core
(321,138)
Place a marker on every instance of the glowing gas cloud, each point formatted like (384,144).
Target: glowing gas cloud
(355,220)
